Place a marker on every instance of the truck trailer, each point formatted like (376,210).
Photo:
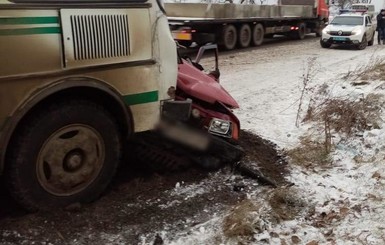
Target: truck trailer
(242,25)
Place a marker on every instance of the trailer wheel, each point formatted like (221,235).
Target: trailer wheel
(244,36)
(258,35)
(63,154)
(318,32)
(300,33)
(229,37)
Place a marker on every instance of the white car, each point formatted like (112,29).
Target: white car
(353,28)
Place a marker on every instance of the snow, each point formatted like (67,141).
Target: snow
(348,195)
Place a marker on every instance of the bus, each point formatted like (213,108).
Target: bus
(77,79)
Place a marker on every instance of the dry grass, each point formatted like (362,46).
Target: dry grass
(336,115)
(240,222)
(372,70)
(346,116)
(286,204)
(309,154)
(253,217)
(376,73)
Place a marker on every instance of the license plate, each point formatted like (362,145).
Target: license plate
(339,38)
(185,136)
(181,36)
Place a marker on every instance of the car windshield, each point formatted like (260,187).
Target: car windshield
(347,20)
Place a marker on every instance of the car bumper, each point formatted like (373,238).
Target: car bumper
(353,39)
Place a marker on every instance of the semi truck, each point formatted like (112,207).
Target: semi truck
(242,25)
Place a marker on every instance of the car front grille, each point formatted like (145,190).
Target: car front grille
(338,33)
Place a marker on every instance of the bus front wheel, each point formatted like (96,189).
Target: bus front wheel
(62,154)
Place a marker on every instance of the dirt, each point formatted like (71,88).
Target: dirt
(139,205)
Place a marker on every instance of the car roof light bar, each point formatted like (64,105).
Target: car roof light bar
(346,11)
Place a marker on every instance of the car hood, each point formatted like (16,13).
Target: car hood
(201,86)
(342,27)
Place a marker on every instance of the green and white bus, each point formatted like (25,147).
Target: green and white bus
(77,78)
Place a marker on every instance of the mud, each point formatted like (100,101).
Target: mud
(139,205)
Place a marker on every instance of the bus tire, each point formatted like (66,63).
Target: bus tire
(63,154)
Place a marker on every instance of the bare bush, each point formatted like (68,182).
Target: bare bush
(345,116)
(341,115)
(308,74)
(374,69)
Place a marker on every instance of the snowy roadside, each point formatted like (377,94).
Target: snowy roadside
(335,198)
(345,199)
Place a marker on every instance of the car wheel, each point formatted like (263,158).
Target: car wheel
(325,45)
(63,154)
(371,42)
(363,44)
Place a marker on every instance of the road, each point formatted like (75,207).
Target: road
(267,81)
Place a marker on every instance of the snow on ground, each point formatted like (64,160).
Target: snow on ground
(348,196)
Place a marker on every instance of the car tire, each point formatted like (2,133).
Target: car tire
(371,42)
(363,44)
(62,154)
(325,45)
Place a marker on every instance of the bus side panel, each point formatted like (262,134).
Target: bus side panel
(30,42)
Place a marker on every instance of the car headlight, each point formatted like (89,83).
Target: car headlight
(220,127)
(326,31)
(356,32)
